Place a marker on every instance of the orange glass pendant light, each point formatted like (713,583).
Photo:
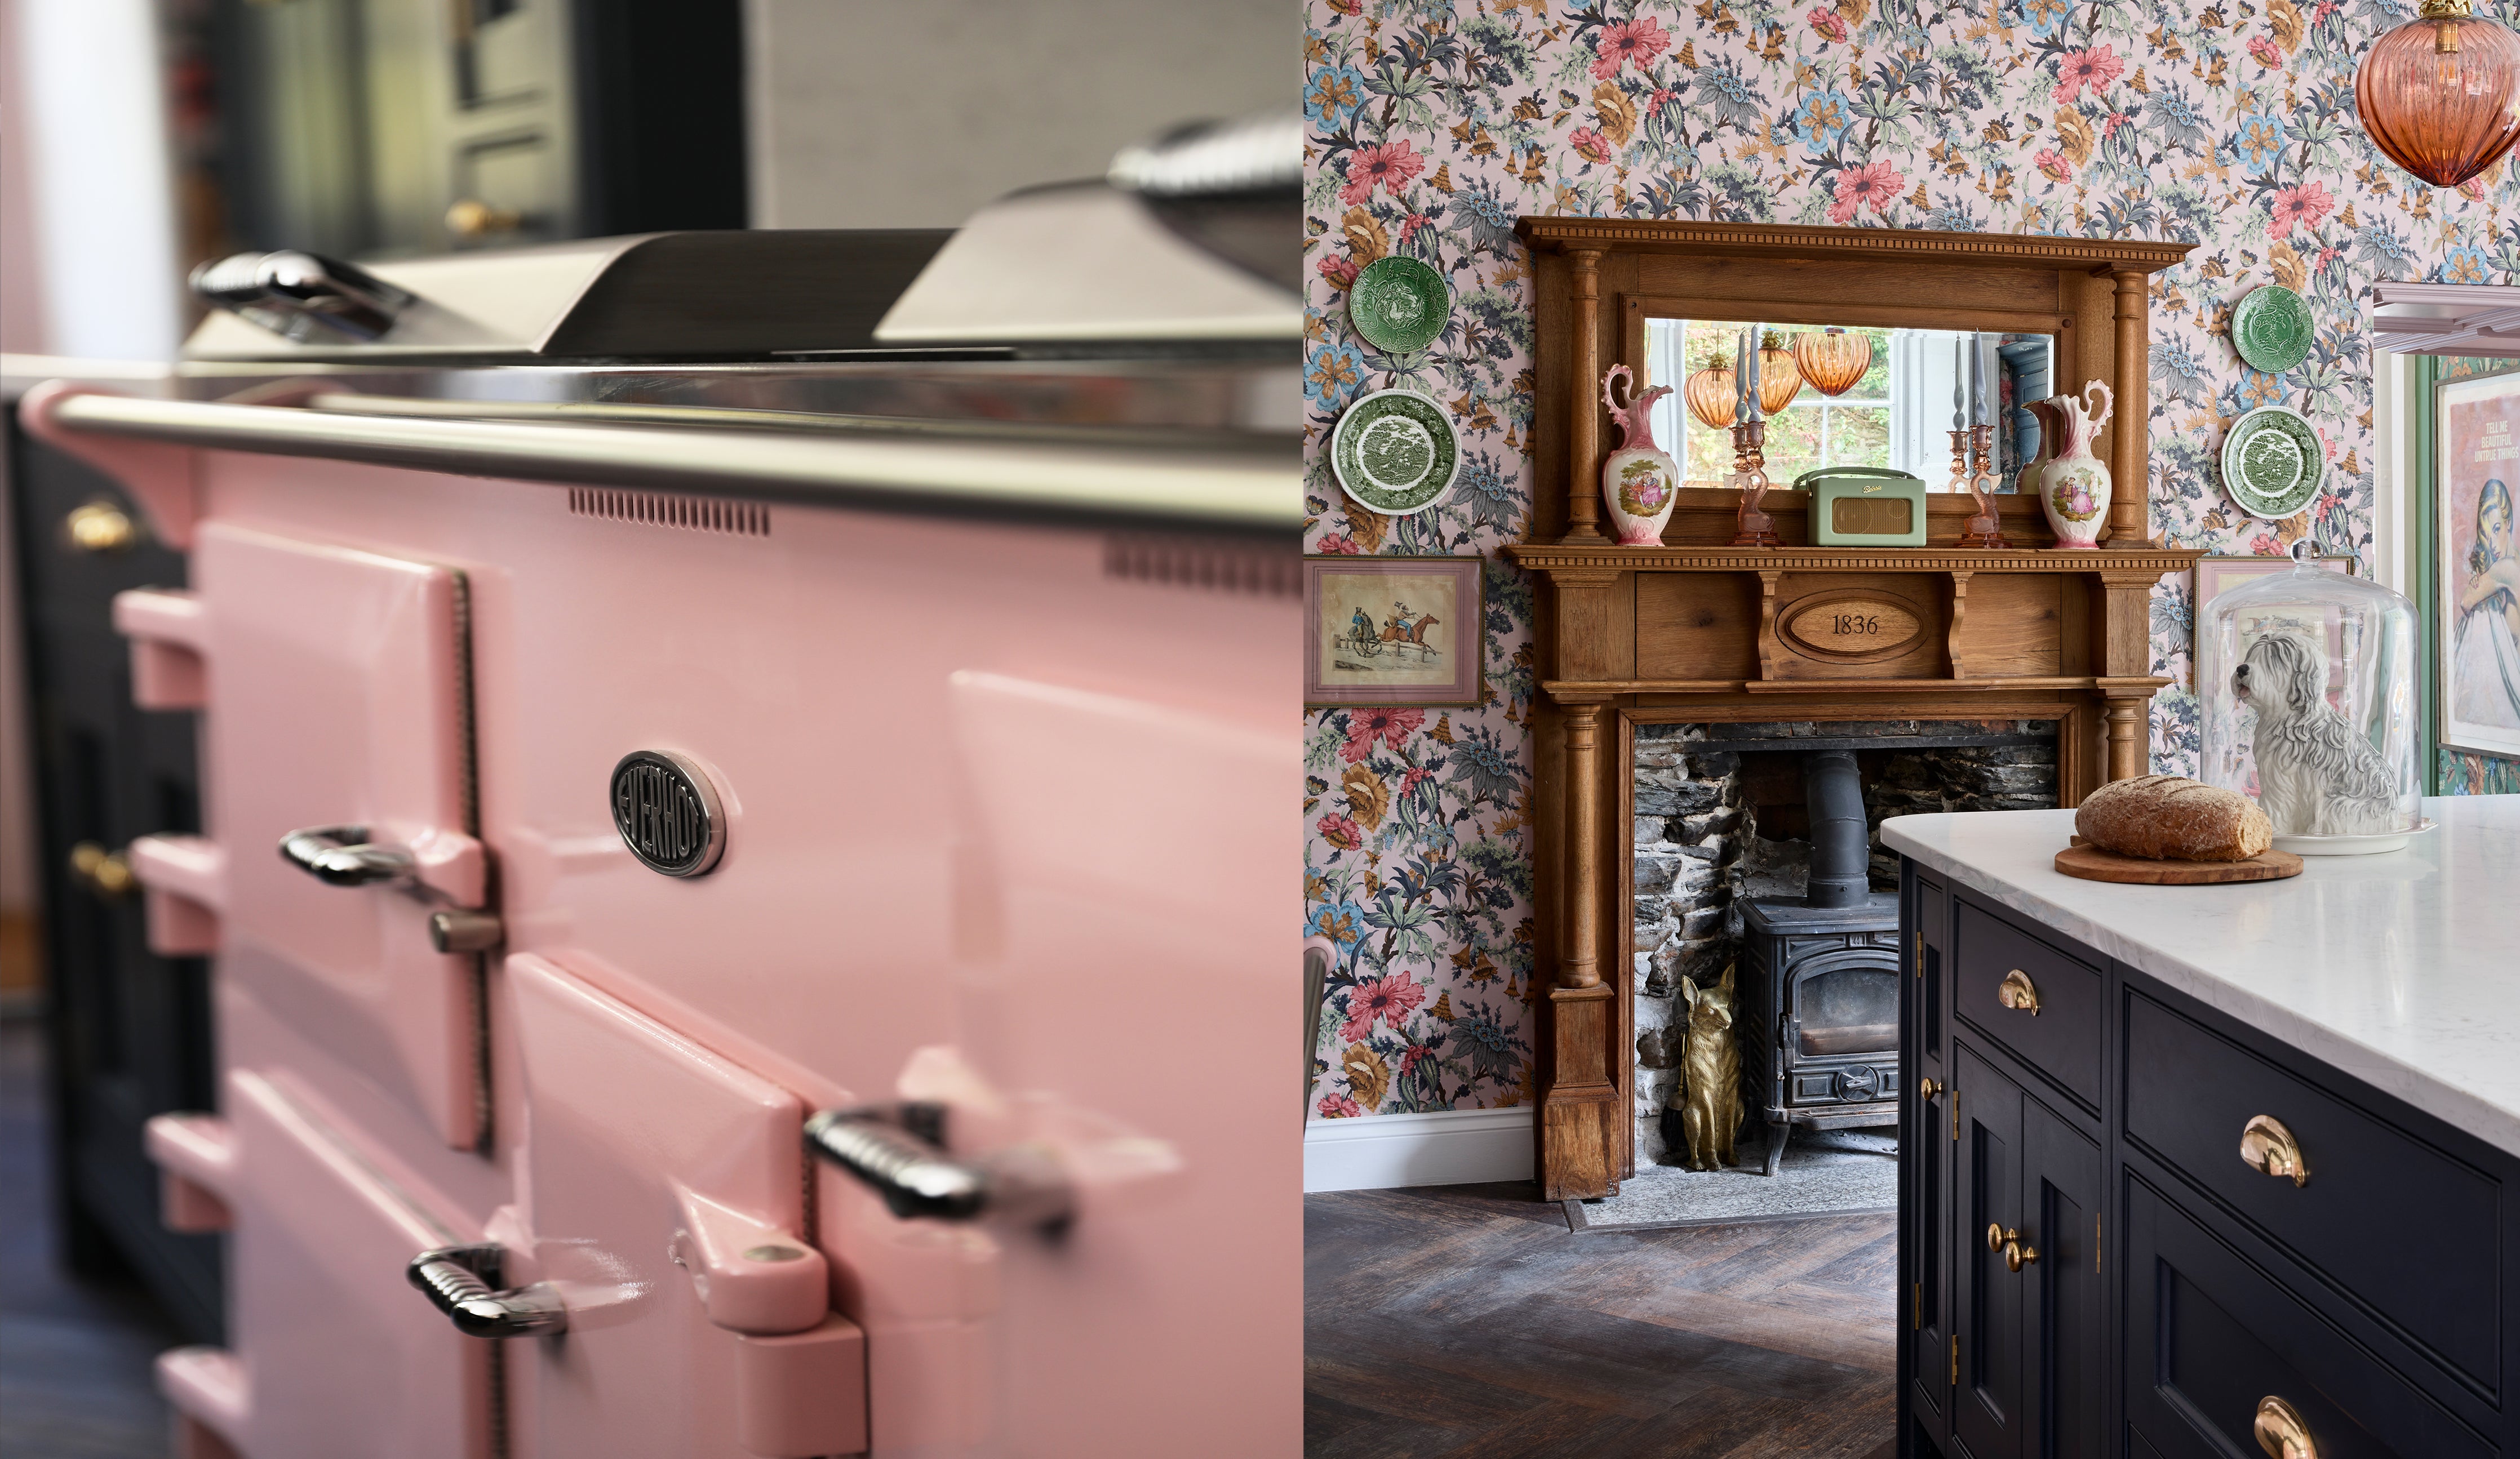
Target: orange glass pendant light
(1711,394)
(2441,94)
(1832,360)
(1780,380)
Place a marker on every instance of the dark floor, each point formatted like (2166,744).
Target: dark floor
(1469,1321)
(74,1355)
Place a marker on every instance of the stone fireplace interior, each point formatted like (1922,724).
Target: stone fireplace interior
(1723,852)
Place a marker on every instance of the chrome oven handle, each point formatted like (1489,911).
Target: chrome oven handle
(452,1276)
(341,856)
(889,1151)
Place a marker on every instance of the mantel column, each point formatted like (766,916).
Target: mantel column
(2130,473)
(1582,1115)
(1584,425)
(2125,668)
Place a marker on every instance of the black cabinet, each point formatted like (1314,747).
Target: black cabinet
(129,1032)
(2132,1225)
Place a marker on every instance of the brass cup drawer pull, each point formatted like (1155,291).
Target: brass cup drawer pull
(2268,1149)
(2281,1432)
(2016,1251)
(100,526)
(106,874)
(2016,991)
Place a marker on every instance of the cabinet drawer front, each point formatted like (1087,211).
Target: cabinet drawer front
(2209,1337)
(2062,1037)
(2191,1093)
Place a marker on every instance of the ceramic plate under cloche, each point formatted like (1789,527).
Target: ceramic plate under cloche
(2349,846)
(2270,328)
(1399,305)
(2272,462)
(1395,452)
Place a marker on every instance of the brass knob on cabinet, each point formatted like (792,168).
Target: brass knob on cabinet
(470,217)
(100,527)
(2018,991)
(2281,1432)
(2270,1149)
(106,874)
(2017,1253)
(1926,1089)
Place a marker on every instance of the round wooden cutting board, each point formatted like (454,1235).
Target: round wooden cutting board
(2092,863)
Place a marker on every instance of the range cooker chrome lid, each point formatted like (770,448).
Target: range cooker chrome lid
(1190,244)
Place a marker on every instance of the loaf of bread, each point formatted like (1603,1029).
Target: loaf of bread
(2167,817)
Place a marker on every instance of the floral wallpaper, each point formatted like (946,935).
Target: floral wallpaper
(1433,125)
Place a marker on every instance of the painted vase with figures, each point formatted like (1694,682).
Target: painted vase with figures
(1639,481)
(2074,484)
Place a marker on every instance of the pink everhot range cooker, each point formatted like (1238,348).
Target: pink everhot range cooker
(739,768)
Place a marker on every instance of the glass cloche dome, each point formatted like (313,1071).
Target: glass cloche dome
(2306,679)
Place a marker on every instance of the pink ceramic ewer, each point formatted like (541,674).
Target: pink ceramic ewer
(1639,481)
(2074,487)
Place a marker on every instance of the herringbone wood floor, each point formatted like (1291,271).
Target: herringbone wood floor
(1466,1322)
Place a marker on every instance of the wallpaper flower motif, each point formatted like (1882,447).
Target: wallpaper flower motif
(1433,125)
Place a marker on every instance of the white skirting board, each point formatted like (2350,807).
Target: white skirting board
(1445,1147)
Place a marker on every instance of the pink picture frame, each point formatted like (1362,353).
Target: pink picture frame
(1400,631)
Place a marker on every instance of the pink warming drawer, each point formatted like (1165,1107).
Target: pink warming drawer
(734,937)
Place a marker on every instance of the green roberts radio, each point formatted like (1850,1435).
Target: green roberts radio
(1864,506)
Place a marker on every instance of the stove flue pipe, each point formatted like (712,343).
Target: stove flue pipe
(1841,852)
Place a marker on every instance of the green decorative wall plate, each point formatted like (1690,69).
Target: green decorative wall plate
(2272,329)
(1399,305)
(1395,452)
(2273,463)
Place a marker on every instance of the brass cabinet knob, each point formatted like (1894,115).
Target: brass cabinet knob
(1926,1089)
(2017,1253)
(106,874)
(100,527)
(2281,1432)
(2016,991)
(2270,1149)
(470,217)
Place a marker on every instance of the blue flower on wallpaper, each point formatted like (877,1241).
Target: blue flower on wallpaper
(1333,373)
(2175,365)
(2466,266)
(2376,242)
(1491,222)
(2259,143)
(1485,769)
(1492,1049)
(2046,17)
(1482,484)
(1730,99)
(1342,922)
(1824,117)
(1333,96)
(2183,127)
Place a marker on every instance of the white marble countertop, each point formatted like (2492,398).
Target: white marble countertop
(2389,967)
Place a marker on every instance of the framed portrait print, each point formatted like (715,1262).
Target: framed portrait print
(2476,444)
(1392,631)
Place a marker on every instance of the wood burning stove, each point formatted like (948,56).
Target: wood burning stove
(1818,1004)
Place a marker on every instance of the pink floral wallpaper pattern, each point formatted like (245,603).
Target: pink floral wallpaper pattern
(1434,124)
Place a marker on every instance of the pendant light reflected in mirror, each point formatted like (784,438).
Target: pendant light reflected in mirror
(1780,380)
(1833,360)
(2441,94)
(1711,394)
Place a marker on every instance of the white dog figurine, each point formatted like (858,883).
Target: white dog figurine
(2316,776)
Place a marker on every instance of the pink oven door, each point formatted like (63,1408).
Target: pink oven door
(341,776)
(337,1358)
(682,1311)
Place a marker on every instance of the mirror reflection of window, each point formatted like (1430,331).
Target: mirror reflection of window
(1899,414)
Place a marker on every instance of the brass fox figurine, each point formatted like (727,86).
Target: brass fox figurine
(1711,1061)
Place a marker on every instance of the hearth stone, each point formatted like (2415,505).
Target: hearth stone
(1697,869)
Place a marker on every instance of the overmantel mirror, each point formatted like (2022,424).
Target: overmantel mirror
(1898,637)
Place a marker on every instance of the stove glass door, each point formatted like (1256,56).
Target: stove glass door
(1847,1005)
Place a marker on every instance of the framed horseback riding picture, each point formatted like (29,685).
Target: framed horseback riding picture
(1392,631)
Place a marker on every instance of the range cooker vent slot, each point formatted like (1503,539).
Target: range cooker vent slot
(662,509)
(1267,570)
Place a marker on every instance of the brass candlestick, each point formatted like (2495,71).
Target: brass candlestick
(1752,527)
(1986,529)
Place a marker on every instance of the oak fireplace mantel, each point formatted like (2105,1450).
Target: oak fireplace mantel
(1693,630)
